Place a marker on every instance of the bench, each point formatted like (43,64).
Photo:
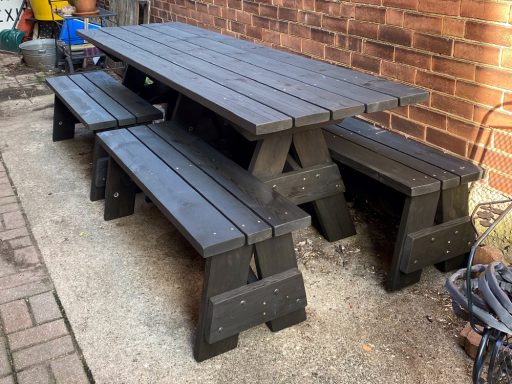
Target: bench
(226,214)
(435,226)
(99,102)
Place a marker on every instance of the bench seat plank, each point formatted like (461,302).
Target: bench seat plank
(405,93)
(447,179)
(381,168)
(276,210)
(122,116)
(83,107)
(203,226)
(239,109)
(243,218)
(466,170)
(142,110)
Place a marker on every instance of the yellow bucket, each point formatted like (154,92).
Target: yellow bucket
(43,11)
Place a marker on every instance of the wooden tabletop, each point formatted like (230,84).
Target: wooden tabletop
(260,89)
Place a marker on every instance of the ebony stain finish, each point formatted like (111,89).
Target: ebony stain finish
(225,213)
(434,227)
(99,102)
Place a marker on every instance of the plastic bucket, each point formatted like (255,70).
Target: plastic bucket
(40,53)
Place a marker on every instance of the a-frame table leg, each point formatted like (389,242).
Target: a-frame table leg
(332,211)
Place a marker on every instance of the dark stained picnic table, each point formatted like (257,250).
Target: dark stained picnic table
(278,99)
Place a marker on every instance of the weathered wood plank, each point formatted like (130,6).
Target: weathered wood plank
(398,176)
(447,179)
(405,93)
(466,170)
(267,299)
(309,184)
(244,219)
(122,116)
(276,210)
(373,100)
(142,110)
(85,109)
(302,112)
(438,243)
(339,106)
(202,225)
(239,109)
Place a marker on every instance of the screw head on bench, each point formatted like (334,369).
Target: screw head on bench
(60,122)
(276,291)
(433,239)
(220,329)
(242,302)
(116,194)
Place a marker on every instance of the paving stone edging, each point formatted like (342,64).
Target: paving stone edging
(37,345)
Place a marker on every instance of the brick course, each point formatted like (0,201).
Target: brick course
(36,345)
(461,50)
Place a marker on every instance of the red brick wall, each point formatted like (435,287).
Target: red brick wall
(460,50)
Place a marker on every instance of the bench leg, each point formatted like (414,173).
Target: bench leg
(418,213)
(119,193)
(63,121)
(99,171)
(222,273)
(454,203)
(273,256)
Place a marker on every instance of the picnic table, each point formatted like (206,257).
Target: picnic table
(295,113)
(279,100)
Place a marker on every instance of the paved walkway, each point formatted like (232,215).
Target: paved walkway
(37,345)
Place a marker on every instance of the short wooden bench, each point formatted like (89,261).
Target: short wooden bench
(226,214)
(99,102)
(435,226)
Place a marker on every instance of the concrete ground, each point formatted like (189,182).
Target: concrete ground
(131,287)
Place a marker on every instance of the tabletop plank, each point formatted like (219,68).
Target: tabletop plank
(374,101)
(303,113)
(405,93)
(245,112)
(339,106)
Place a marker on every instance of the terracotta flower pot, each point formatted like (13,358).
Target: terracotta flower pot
(85,7)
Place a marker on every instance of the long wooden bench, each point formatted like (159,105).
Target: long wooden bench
(435,226)
(99,102)
(226,214)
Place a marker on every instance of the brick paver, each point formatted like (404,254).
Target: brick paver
(44,307)
(36,344)
(15,316)
(39,374)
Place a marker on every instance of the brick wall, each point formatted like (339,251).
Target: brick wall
(460,50)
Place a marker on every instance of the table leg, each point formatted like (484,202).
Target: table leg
(134,79)
(454,203)
(332,212)
(223,273)
(274,256)
(270,156)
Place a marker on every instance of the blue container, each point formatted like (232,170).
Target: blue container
(69,28)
